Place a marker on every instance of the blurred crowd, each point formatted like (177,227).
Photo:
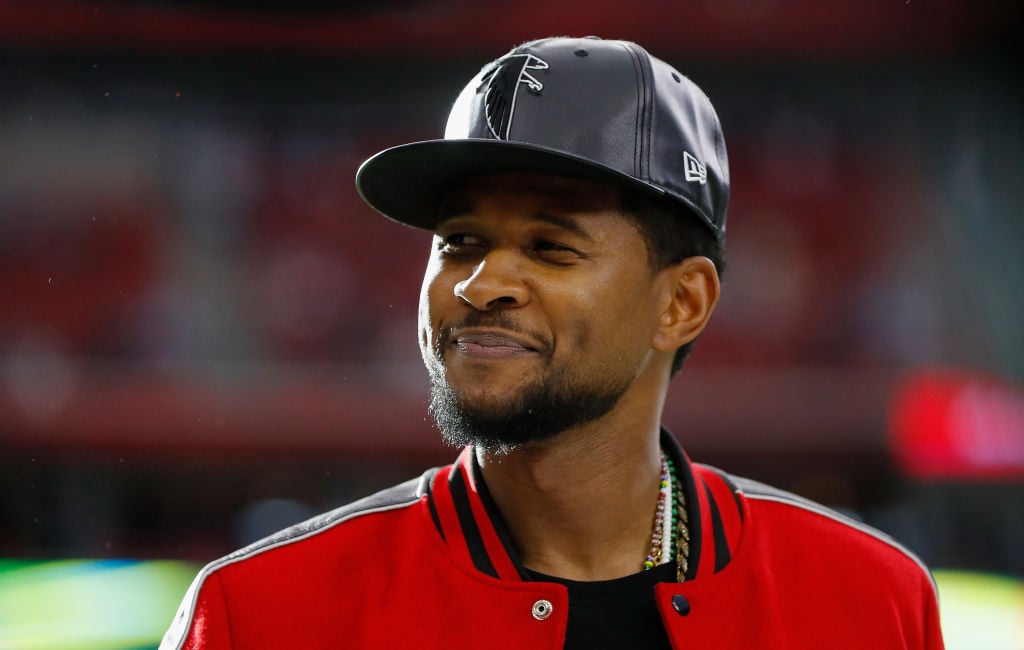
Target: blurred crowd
(176,219)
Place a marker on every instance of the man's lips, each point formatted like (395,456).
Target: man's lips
(491,344)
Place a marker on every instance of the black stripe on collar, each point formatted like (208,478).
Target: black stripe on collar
(734,490)
(470,530)
(497,521)
(432,506)
(722,555)
(478,550)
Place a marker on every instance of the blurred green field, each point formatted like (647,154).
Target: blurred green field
(89,604)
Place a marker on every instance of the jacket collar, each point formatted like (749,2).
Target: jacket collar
(472,528)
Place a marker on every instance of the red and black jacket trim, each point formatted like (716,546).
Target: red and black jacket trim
(470,525)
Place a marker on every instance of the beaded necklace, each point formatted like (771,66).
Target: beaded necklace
(671,509)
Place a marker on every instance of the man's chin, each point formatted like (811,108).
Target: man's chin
(485,402)
(464,375)
(480,415)
(490,388)
(508,414)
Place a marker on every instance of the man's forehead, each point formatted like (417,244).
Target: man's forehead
(556,192)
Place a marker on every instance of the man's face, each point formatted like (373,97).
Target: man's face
(537,309)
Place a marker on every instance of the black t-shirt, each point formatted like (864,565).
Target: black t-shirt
(615,614)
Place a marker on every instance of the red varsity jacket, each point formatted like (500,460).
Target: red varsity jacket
(425,564)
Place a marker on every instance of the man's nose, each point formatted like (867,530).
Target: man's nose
(496,282)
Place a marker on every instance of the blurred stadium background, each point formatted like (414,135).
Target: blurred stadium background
(206,336)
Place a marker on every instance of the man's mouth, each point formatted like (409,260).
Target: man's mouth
(491,345)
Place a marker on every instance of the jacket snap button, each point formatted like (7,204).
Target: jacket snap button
(680,604)
(541,609)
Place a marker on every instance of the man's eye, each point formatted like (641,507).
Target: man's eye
(459,243)
(550,246)
(554,251)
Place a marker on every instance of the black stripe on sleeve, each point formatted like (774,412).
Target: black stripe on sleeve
(722,555)
(475,543)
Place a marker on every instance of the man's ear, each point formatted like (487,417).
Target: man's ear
(690,293)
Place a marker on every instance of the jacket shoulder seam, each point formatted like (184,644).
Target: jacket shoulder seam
(392,498)
(759,491)
(396,497)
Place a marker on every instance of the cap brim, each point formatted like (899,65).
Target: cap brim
(408,183)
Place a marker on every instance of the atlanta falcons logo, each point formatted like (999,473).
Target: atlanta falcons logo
(503,82)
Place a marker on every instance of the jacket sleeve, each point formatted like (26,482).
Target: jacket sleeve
(202,619)
(932,622)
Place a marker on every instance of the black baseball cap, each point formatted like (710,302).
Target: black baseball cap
(604,110)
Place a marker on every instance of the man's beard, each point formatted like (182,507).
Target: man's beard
(541,410)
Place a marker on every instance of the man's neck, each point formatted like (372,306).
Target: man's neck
(580,505)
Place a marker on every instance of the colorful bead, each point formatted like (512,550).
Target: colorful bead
(672,518)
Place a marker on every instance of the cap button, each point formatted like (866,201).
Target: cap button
(541,609)
(680,604)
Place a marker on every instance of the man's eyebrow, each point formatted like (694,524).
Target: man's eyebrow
(565,223)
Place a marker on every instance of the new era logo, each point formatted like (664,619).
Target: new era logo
(695,170)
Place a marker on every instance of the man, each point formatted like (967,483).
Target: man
(578,204)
